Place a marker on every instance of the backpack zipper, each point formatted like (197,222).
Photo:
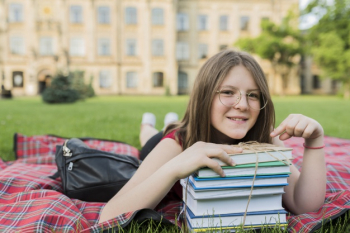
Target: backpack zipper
(66,150)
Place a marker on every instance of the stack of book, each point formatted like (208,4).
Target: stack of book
(214,202)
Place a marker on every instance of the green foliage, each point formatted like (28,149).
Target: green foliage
(60,91)
(78,84)
(280,44)
(330,39)
(68,88)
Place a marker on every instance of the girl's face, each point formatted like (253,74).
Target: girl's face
(235,121)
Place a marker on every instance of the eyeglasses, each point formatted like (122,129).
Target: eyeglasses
(230,96)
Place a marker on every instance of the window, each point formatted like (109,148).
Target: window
(157,16)
(202,51)
(104,48)
(157,47)
(130,15)
(17,45)
(182,51)
(182,22)
(244,23)
(131,79)
(158,78)
(16,12)
(131,47)
(76,14)
(316,83)
(103,15)
(182,83)
(202,22)
(46,46)
(105,79)
(77,47)
(223,23)
(17,78)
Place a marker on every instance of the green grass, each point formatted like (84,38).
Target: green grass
(119,117)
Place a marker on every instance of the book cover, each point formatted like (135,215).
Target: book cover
(237,182)
(270,153)
(232,205)
(266,168)
(230,192)
(236,219)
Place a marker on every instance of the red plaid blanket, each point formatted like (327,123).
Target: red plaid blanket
(32,202)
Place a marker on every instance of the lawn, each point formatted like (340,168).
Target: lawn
(119,117)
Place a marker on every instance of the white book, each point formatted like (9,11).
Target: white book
(230,220)
(238,182)
(248,156)
(232,205)
(233,192)
(267,168)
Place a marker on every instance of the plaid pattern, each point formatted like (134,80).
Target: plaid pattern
(38,146)
(32,202)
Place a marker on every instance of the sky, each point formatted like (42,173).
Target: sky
(309,20)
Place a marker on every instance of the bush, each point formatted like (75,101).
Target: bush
(68,88)
(78,84)
(61,90)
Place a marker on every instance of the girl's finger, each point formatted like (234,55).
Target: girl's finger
(215,166)
(292,123)
(220,154)
(308,131)
(299,128)
(284,136)
(281,128)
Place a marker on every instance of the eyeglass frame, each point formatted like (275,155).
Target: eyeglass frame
(240,98)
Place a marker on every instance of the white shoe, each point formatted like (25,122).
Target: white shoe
(149,119)
(169,118)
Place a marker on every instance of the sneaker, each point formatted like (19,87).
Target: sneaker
(169,118)
(148,119)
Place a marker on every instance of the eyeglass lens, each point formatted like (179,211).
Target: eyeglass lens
(230,96)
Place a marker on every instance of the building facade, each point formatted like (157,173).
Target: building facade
(145,47)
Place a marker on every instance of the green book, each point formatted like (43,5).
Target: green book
(264,169)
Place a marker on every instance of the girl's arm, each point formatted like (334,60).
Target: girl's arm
(306,190)
(160,170)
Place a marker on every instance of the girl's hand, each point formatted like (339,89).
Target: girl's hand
(297,125)
(200,155)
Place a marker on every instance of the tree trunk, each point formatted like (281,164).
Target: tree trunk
(347,90)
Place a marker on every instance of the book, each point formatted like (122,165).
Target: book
(266,168)
(249,156)
(233,192)
(234,228)
(230,205)
(237,182)
(227,220)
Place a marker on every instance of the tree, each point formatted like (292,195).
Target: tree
(330,40)
(280,44)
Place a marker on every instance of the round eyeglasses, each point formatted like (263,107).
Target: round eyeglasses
(230,96)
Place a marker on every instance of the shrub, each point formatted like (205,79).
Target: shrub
(60,91)
(68,88)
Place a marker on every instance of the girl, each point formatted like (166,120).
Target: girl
(229,103)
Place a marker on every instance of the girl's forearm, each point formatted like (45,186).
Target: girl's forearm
(145,195)
(310,189)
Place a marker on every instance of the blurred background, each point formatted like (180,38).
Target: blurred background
(155,47)
(136,56)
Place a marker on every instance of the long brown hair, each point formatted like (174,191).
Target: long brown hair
(196,124)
